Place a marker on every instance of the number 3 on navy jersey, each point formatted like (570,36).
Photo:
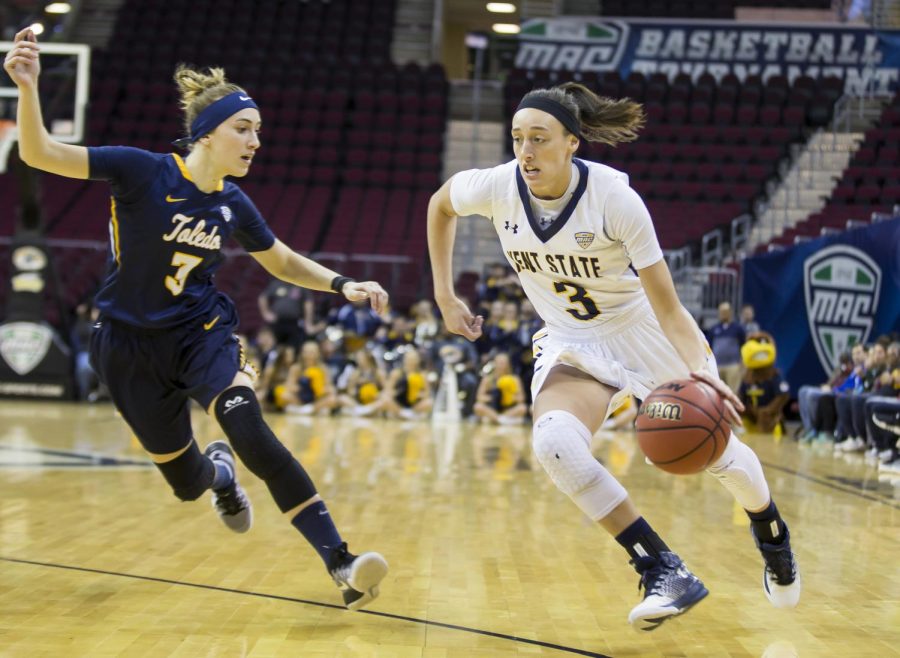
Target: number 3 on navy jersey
(580,296)
(185,263)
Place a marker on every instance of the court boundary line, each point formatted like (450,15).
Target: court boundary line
(817,479)
(290,599)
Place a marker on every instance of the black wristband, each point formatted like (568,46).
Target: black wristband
(338,283)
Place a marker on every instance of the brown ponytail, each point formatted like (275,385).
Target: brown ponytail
(606,120)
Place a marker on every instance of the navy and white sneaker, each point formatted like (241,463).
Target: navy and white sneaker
(230,503)
(670,589)
(781,577)
(357,576)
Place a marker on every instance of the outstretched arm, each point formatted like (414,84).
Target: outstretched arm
(36,147)
(283,262)
(441,236)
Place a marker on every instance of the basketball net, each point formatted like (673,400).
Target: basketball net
(7,137)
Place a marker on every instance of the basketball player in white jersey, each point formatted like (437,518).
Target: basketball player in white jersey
(586,253)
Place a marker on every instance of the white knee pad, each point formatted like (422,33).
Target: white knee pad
(739,471)
(562,445)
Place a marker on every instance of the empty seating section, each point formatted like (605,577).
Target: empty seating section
(350,142)
(870,183)
(708,148)
(723,9)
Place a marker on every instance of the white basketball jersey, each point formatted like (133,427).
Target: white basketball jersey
(580,271)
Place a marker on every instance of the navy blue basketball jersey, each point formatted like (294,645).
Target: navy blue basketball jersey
(166,237)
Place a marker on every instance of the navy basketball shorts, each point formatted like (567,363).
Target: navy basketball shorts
(152,374)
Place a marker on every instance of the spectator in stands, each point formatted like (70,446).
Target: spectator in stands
(365,384)
(497,283)
(811,404)
(87,384)
(726,339)
(166,333)
(884,403)
(748,320)
(408,392)
(529,324)
(270,388)
(450,350)
(850,406)
(359,321)
(263,349)
(283,307)
(308,389)
(500,398)
(426,324)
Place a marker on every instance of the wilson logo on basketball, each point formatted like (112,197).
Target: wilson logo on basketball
(663,410)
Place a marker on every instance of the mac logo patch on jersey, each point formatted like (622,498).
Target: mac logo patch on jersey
(226,213)
(584,239)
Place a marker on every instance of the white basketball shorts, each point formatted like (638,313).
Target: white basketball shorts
(634,357)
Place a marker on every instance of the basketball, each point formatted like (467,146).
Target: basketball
(681,426)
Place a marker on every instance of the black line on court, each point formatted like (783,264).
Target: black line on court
(832,485)
(276,597)
(86,458)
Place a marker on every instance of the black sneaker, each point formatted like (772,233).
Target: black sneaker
(357,576)
(670,589)
(781,577)
(230,503)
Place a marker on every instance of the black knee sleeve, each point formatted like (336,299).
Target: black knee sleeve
(260,450)
(189,474)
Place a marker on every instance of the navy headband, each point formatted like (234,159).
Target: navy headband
(554,108)
(214,114)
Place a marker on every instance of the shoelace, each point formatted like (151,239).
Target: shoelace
(342,559)
(651,577)
(780,563)
(231,501)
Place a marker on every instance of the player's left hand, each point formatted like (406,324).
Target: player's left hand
(733,404)
(357,291)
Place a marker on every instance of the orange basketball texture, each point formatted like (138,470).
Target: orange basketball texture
(681,426)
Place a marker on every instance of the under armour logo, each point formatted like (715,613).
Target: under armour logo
(235,402)
(514,227)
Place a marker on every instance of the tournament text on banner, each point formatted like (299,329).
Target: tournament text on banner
(860,56)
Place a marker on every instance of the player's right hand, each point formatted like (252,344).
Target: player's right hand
(459,319)
(732,403)
(22,61)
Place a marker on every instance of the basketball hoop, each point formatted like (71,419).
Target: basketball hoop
(7,137)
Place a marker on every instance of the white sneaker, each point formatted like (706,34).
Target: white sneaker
(781,577)
(853,445)
(230,503)
(890,468)
(357,576)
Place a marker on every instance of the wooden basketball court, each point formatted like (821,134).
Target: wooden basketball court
(97,558)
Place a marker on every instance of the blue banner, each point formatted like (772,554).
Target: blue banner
(856,54)
(820,297)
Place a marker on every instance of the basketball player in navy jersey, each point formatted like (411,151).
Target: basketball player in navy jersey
(584,248)
(166,335)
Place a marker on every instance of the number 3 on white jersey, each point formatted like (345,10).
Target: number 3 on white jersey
(185,263)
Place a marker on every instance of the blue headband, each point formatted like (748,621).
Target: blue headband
(556,109)
(214,114)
